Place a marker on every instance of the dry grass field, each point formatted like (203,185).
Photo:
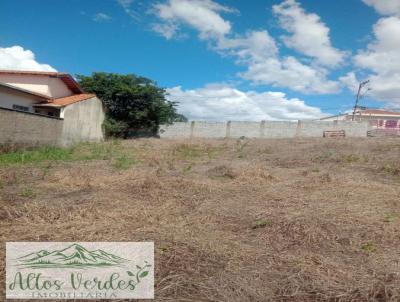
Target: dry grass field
(232,220)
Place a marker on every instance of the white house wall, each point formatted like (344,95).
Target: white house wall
(49,86)
(83,122)
(8,98)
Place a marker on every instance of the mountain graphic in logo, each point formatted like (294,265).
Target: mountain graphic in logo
(74,256)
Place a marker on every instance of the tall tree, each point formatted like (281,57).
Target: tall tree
(132,103)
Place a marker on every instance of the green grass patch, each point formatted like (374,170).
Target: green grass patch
(123,162)
(391,169)
(261,223)
(241,144)
(81,152)
(351,158)
(188,152)
(27,193)
(368,247)
(32,156)
(390,218)
(193,151)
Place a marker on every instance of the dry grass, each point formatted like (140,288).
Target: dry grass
(247,220)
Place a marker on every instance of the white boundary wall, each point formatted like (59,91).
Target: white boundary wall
(263,129)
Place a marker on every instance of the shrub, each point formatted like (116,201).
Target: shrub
(113,128)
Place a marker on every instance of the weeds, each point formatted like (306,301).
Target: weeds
(192,151)
(187,168)
(80,152)
(390,218)
(224,229)
(35,156)
(187,151)
(390,169)
(261,223)
(222,171)
(368,247)
(240,147)
(28,193)
(123,162)
(351,158)
(326,156)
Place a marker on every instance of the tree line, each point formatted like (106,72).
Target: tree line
(134,105)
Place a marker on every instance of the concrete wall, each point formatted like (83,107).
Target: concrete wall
(209,129)
(43,84)
(83,122)
(29,129)
(263,129)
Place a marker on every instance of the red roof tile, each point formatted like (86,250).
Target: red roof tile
(68,100)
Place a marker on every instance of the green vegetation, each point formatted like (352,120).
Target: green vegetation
(261,223)
(390,218)
(187,168)
(135,106)
(192,151)
(44,156)
(27,193)
(351,158)
(368,247)
(123,162)
(391,169)
(240,146)
(31,156)
(187,151)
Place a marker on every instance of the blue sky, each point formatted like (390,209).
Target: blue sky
(248,60)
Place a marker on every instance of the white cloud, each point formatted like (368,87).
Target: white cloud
(202,15)
(309,35)
(351,81)
(257,49)
(254,46)
(101,17)
(222,103)
(17,58)
(383,54)
(168,31)
(385,7)
(291,73)
(127,7)
(259,52)
(382,57)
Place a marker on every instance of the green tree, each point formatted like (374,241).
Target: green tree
(180,118)
(132,103)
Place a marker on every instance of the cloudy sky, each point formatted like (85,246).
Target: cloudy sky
(220,59)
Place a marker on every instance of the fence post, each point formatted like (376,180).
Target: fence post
(228,129)
(299,128)
(192,129)
(262,129)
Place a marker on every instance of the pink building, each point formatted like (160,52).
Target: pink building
(379,118)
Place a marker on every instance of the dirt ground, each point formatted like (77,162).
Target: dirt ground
(232,220)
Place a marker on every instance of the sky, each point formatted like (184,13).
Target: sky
(220,59)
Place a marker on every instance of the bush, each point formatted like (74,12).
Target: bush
(113,128)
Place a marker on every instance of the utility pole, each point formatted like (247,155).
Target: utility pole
(360,87)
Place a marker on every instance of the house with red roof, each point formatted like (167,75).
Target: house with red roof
(55,95)
(378,118)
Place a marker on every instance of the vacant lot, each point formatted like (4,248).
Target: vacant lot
(232,220)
